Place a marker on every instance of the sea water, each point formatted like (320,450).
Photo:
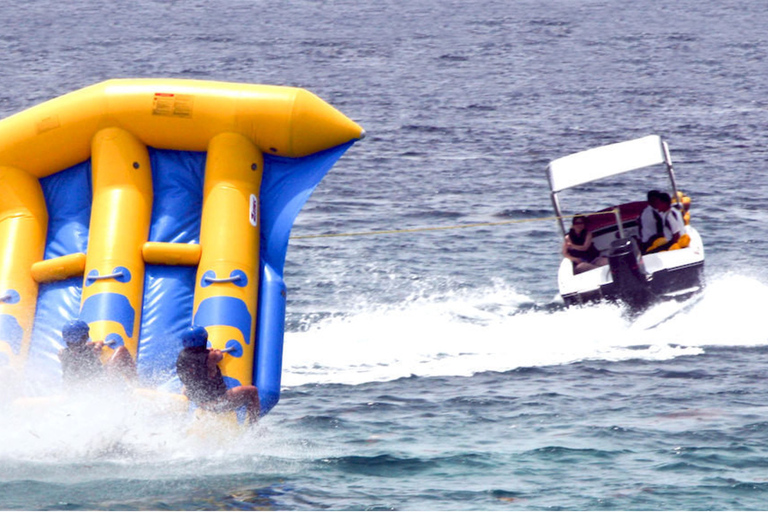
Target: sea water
(426,369)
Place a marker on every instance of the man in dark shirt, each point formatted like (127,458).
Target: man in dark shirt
(198,369)
(81,358)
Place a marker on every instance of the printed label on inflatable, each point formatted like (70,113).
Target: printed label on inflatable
(48,123)
(174,105)
(253,215)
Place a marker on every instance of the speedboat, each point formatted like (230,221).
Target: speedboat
(630,277)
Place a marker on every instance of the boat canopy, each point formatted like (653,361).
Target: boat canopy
(593,164)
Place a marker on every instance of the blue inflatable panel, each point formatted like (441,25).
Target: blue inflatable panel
(177,180)
(68,199)
(271,329)
(286,186)
(167,312)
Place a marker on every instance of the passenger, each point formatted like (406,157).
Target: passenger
(199,372)
(672,226)
(578,247)
(81,358)
(651,221)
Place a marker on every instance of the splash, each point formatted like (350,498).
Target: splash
(460,334)
(729,313)
(112,433)
(109,433)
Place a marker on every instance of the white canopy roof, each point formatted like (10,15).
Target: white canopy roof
(593,164)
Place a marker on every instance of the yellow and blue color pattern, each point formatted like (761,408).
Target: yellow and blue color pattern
(144,206)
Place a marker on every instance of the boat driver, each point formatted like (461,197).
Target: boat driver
(198,369)
(651,221)
(668,225)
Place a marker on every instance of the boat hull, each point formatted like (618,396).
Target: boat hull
(637,280)
(678,283)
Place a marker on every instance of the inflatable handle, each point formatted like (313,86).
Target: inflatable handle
(233,348)
(10,297)
(106,276)
(120,274)
(230,279)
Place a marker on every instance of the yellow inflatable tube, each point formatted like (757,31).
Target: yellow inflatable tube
(114,266)
(227,286)
(23,225)
(171,114)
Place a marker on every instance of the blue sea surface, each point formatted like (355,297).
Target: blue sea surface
(423,370)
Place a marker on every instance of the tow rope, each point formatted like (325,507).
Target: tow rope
(434,228)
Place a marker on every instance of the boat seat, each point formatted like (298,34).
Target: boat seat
(628,212)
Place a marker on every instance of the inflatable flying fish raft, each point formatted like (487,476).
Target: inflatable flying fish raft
(145,206)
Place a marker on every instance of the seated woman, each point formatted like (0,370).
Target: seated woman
(578,247)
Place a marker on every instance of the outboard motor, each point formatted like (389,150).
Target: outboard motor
(631,283)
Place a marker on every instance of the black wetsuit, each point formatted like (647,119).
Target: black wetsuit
(590,254)
(192,369)
(79,362)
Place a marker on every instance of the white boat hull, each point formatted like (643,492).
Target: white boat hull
(666,275)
